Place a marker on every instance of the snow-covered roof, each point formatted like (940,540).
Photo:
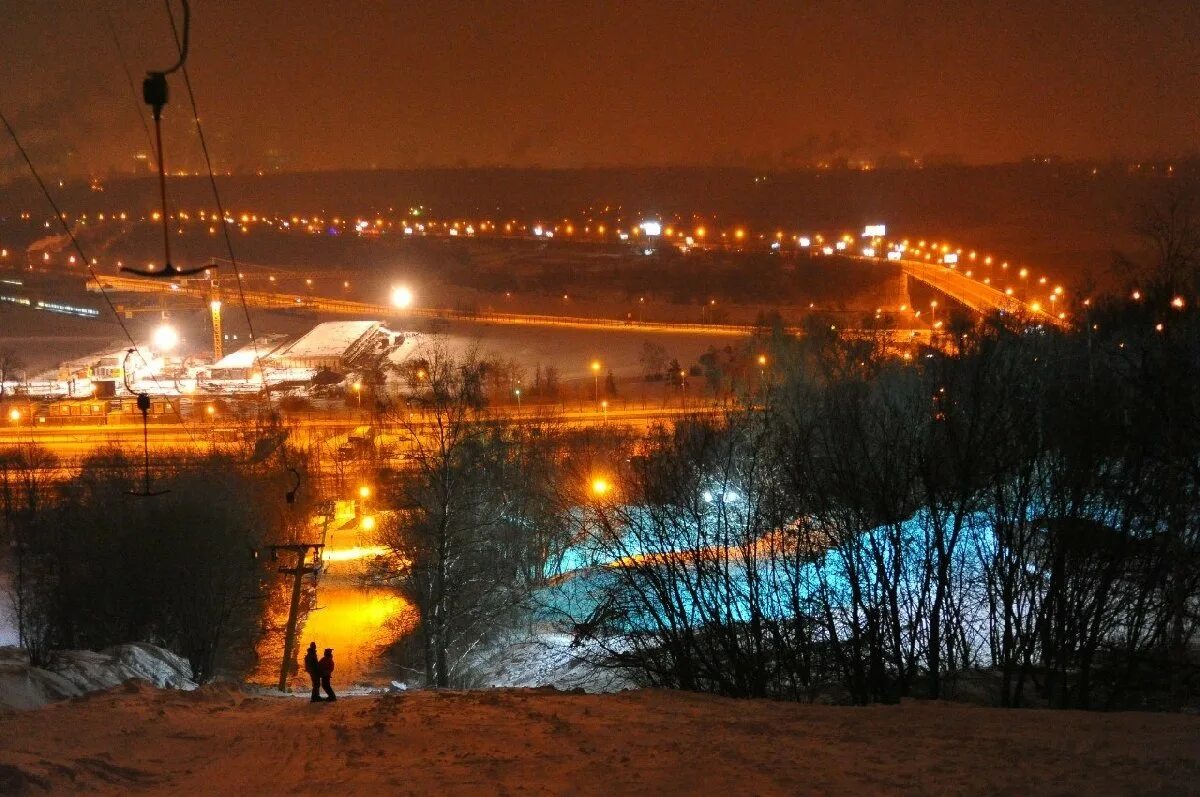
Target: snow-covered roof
(330,339)
(409,346)
(245,356)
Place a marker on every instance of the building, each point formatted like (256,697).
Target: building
(337,346)
(240,364)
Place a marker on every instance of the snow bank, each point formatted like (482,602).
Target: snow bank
(8,624)
(545,659)
(73,673)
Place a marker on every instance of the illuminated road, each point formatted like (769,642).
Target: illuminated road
(326,435)
(969,292)
(279,301)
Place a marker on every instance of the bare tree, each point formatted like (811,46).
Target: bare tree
(462,533)
(10,363)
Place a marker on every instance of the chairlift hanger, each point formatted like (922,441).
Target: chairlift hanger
(291,494)
(154,94)
(143,404)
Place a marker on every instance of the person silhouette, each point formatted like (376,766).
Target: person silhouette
(313,667)
(326,668)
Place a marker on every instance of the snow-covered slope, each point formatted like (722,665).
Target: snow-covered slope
(73,673)
(546,659)
(216,740)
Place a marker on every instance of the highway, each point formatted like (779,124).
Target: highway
(969,292)
(357,309)
(324,434)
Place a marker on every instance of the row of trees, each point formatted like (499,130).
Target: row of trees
(1028,508)
(92,564)
(1018,517)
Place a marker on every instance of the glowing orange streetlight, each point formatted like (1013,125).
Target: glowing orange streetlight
(596,377)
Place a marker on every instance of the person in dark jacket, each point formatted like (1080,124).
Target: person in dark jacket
(326,668)
(313,667)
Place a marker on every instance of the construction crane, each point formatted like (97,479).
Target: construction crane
(214,305)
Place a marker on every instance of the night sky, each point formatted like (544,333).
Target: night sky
(313,84)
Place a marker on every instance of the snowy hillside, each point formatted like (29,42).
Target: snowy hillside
(217,740)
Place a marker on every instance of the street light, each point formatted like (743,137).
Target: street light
(596,377)
(358,393)
(165,338)
(14,415)
(364,492)
(600,487)
(402,297)
(604,407)
(518,394)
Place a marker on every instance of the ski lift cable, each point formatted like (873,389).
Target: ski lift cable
(155,93)
(137,106)
(182,46)
(62,220)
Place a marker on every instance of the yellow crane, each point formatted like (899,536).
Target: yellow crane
(214,304)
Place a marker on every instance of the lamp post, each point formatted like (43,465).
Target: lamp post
(596,377)
(517,392)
